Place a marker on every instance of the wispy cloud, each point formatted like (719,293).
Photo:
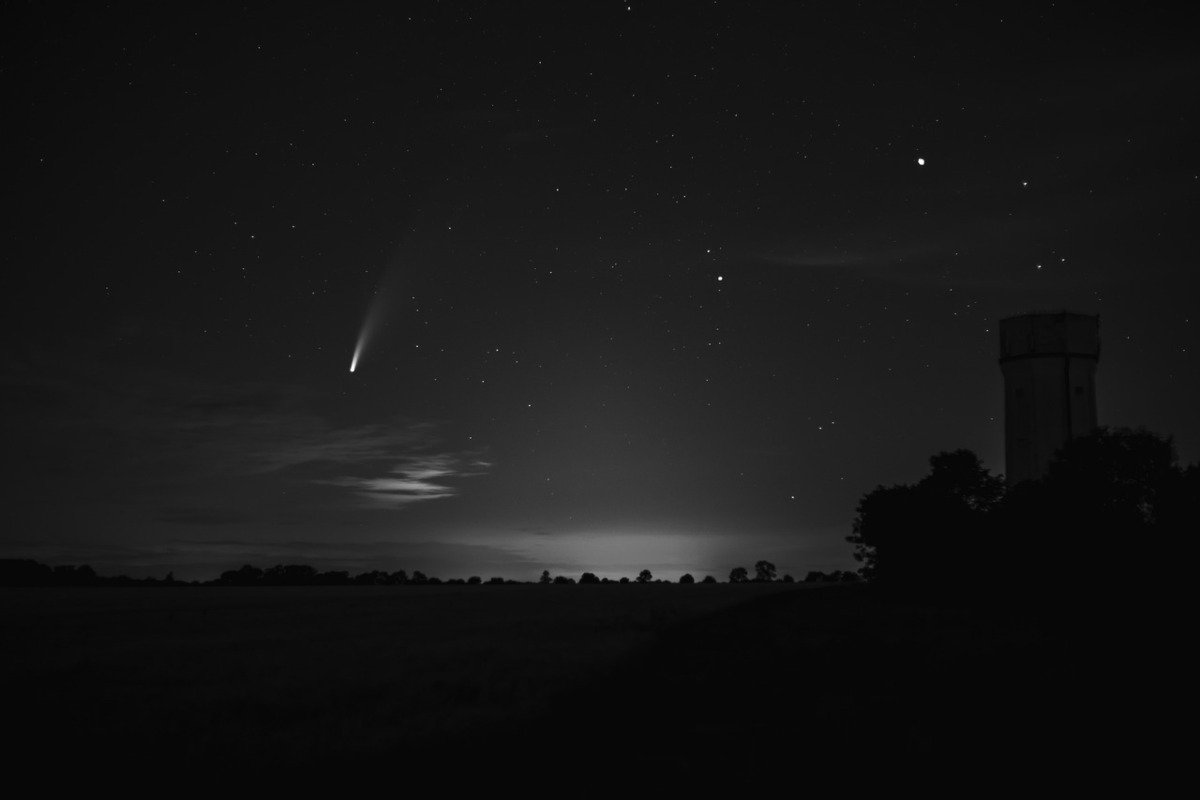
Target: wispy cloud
(416,478)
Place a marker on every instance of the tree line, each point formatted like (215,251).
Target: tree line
(27,572)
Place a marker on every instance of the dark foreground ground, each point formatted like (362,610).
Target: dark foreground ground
(564,682)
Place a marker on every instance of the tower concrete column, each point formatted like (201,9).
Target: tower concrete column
(1049,365)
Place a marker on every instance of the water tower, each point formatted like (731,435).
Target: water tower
(1049,366)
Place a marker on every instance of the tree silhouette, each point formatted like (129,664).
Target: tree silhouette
(245,576)
(333,578)
(1100,492)
(686,578)
(764,572)
(1177,505)
(588,577)
(931,531)
(545,577)
(290,575)
(961,475)
(738,575)
(644,576)
(958,528)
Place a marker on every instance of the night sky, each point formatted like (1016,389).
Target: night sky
(631,287)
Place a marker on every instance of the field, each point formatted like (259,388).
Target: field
(576,678)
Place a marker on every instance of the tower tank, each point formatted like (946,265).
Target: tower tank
(1049,365)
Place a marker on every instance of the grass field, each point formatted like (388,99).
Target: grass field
(577,678)
(246,673)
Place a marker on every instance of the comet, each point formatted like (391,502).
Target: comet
(383,301)
(392,292)
(367,331)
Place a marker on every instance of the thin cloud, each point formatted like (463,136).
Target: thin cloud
(415,479)
(393,492)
